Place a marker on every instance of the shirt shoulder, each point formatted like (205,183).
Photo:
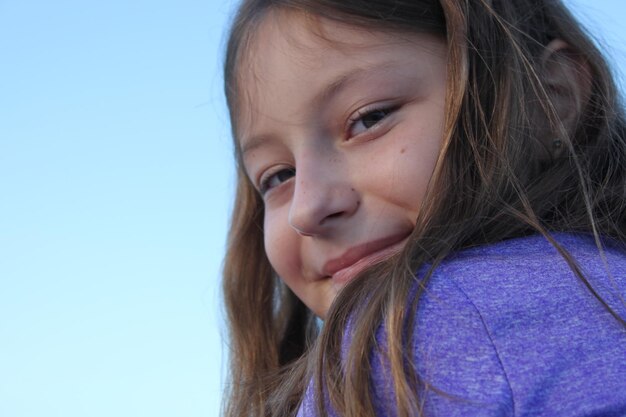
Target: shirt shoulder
(510,324)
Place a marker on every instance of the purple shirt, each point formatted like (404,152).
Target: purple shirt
(508,330)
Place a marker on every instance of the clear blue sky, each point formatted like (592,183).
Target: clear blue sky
(115,188)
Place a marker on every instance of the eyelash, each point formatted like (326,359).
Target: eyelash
(266,179)
(363,113)
(264,182)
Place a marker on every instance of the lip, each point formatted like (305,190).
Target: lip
(361,257)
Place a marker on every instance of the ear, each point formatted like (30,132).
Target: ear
(567,77)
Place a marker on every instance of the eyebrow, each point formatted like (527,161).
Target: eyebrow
(331,90)
(336,86)
(253,143)
(348,78)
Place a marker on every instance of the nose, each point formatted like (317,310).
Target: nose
(323,197)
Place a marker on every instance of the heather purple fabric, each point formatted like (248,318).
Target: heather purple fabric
(508,330)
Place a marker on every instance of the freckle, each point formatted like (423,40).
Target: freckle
(403,150)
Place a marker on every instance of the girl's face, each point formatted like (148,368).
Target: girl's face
(340,132)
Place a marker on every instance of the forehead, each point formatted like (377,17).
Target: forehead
(311,53)
(313,37)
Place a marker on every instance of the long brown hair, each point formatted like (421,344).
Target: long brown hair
(493,181)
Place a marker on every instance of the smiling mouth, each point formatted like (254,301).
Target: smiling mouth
(362,257)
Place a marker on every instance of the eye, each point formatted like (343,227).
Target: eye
(275,178)
(367,119)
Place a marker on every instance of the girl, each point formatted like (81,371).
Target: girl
(443,184)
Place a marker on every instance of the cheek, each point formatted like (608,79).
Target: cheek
(418,166)
(281,247)
(406,176)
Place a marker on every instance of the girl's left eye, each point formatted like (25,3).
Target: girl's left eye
(367,119)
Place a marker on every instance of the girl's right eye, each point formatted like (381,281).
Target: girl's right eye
(274,179)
